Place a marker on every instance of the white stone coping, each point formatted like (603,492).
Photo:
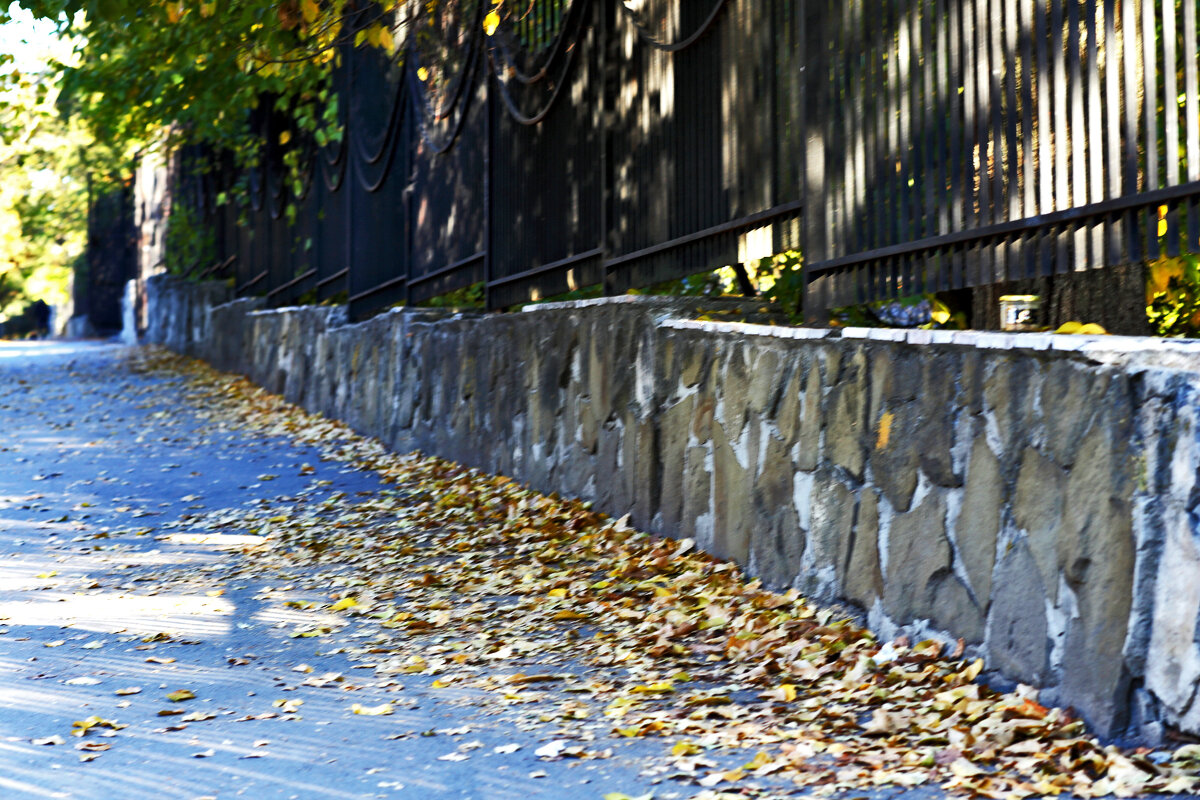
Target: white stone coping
(1138,351)
(748,329)
(653,300)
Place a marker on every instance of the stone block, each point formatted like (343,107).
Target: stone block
(1173,661)
(1017,631)
(896,377)
(692,355)
(954,610)
(811,420)
(846,429)
(1008,396)
(1070,398)
(938,402)
(1096,552)
(978,524)
(787,414)
(970,380)
(702,419)
(764,380)
(862,581)
(777,548)
(894,459)
(918,550)
(1037,509)
(697,489)
(641,467)
(589,426)
(831,528)
(732,513)
(674,427)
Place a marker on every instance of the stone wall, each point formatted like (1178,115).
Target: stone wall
(1033,494)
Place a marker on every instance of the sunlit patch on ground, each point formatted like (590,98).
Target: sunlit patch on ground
(188,615)
(223,541)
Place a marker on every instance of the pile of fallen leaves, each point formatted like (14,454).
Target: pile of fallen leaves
(552,611)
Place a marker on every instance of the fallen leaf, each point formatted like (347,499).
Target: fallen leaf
(552,750)
(372,711)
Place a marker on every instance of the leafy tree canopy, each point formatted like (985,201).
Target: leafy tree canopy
(173,71)
(43,191)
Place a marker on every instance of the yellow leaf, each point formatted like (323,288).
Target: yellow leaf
(439,684)
(310,10)
(343,604)
(491,22)
(662,687)
(181,695)
(372,711)
(685,749)
(285,137)
(386,40)
(568,614)
(785,693)
(422,74)
(972,672)
(885,430)
(559,592)
(940,313)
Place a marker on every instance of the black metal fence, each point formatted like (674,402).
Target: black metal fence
(903,145)
(973,142)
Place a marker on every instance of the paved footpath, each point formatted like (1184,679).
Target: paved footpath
(193,609)
(103,616)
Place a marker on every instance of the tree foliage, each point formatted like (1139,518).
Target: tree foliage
(43,191)
(196,71)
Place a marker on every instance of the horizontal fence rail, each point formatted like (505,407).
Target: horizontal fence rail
(904,146)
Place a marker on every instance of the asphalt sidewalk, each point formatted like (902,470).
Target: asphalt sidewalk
(107,610)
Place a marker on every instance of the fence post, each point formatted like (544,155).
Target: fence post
(488,145)
(606,35)
(812,87)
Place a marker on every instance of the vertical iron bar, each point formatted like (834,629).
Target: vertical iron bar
(1129,131)
(1191,114)
(1150,110)
(1171,106)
